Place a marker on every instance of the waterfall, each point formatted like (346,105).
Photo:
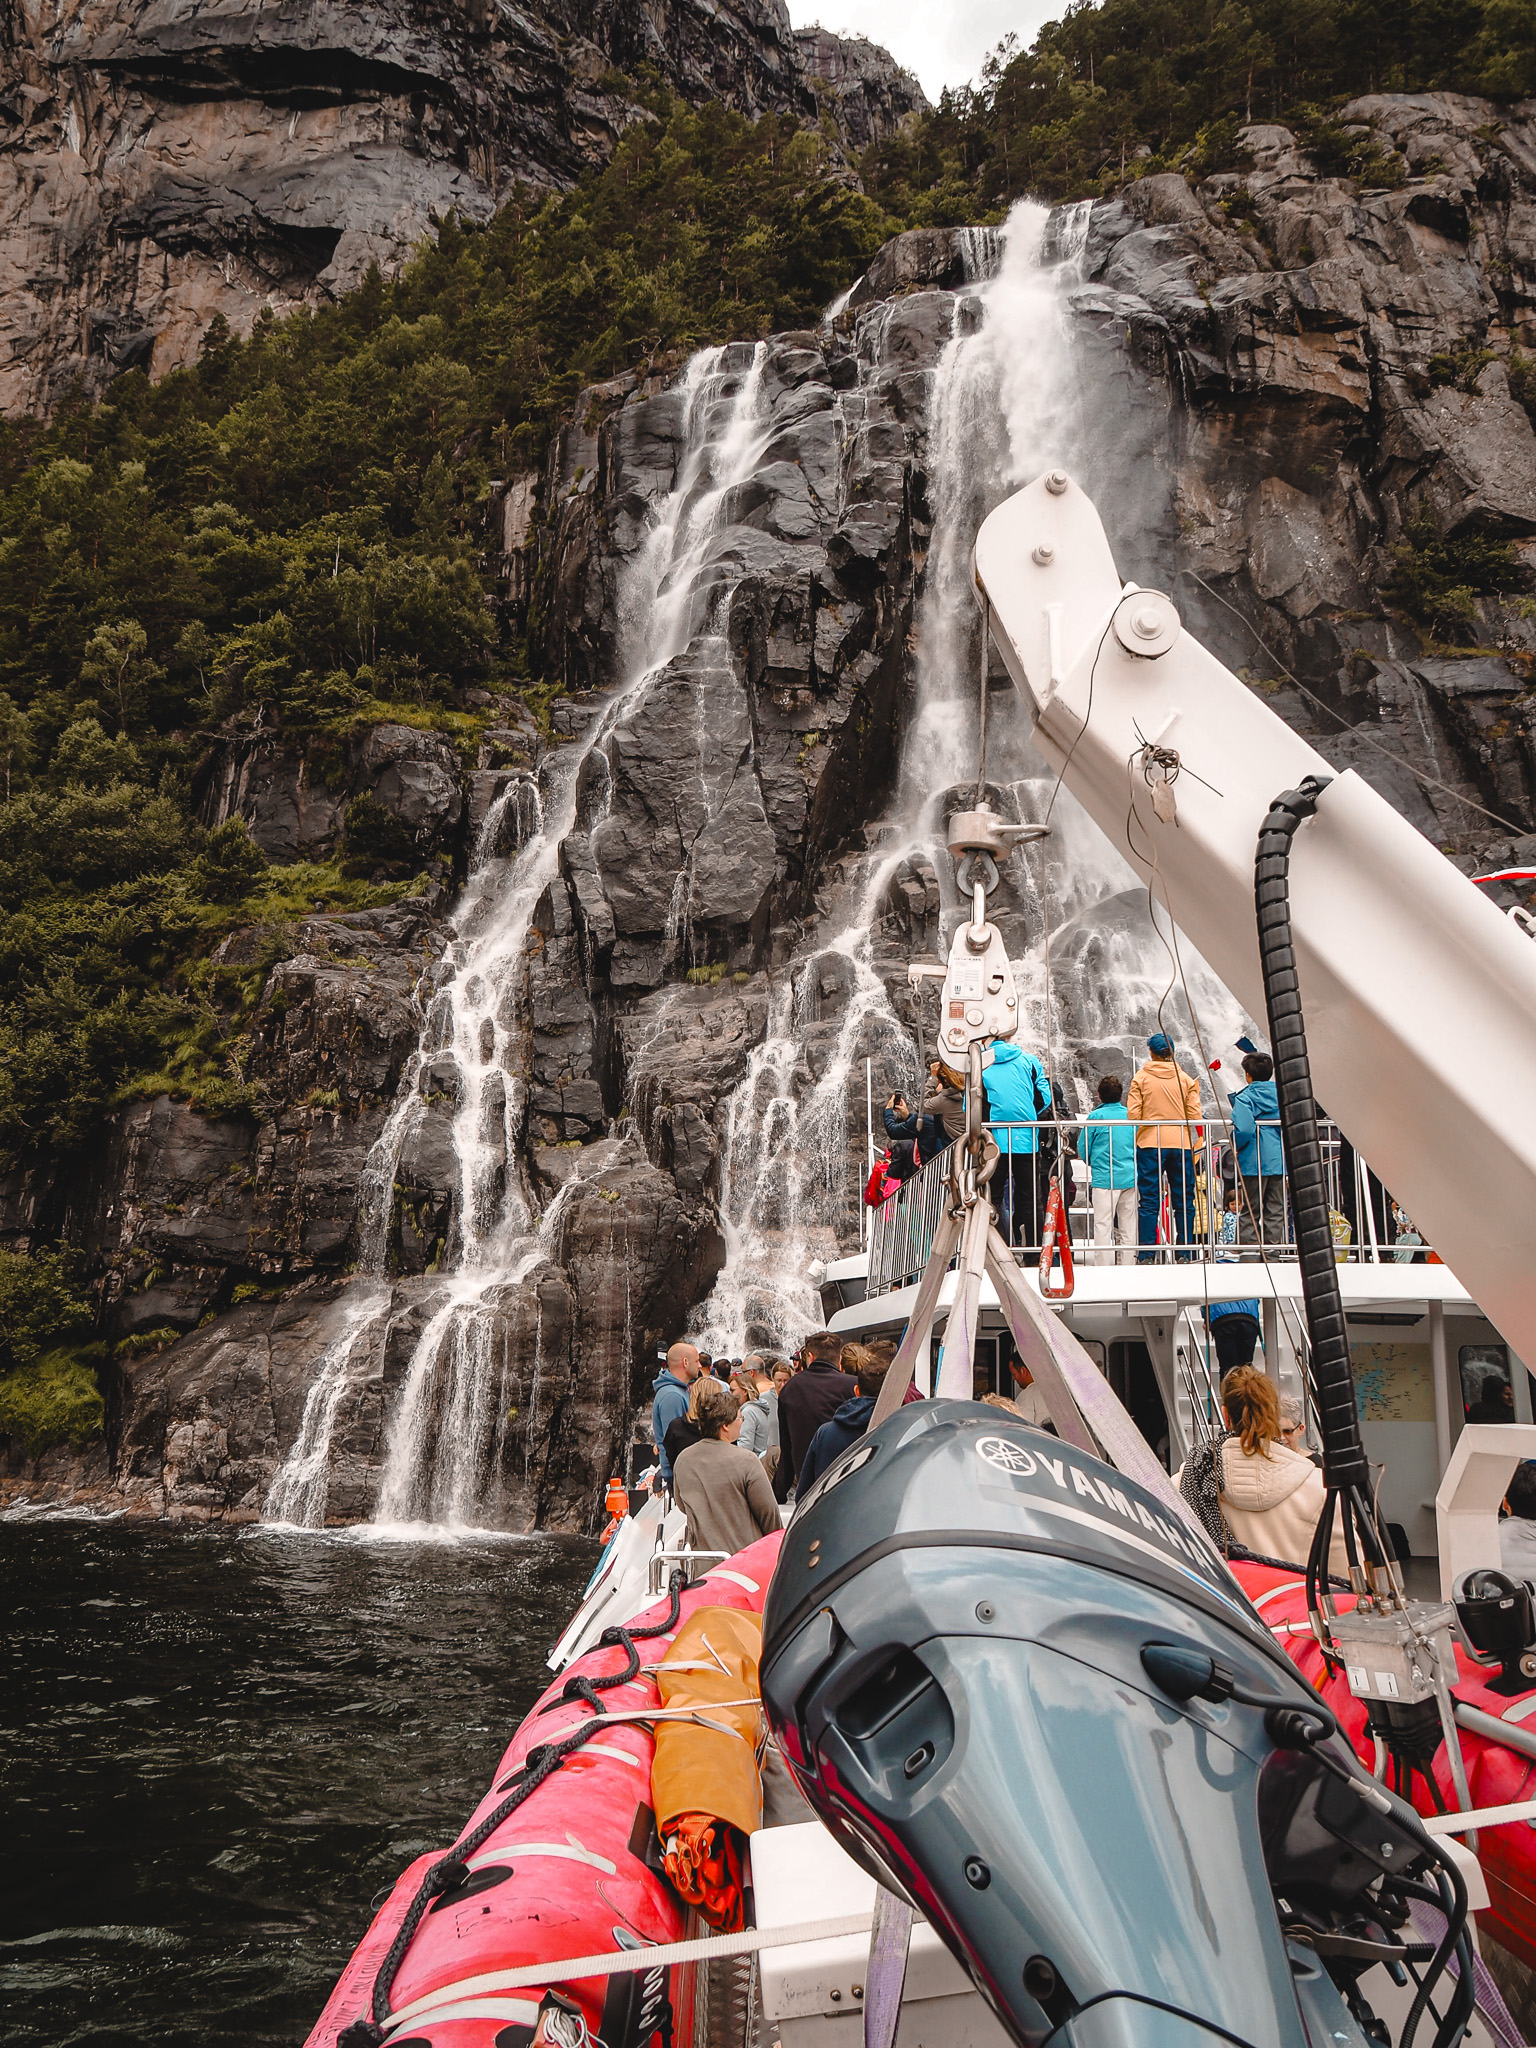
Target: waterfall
(451,1411)
(297,1495)
(1007,400)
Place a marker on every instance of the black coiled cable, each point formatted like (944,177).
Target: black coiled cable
(1345,1470)
(539,1764)
(1344,1462)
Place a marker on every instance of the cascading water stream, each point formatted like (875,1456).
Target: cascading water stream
(452,1406)
(1007,400)
(297,1495)
(450,1416)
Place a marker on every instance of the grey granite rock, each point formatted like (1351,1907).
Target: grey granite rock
(167,164)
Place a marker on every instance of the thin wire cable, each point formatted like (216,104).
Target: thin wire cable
(1399,760)
(1088,711)
(1050,1048)
(1172,951)
(1050,1020)
(981,713)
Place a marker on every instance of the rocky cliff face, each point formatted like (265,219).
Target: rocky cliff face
(1293,378)
(165,164)
(1344,362)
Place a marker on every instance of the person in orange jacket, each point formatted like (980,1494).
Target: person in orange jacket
(1164,1104)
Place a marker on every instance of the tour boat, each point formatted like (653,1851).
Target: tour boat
(993,1744)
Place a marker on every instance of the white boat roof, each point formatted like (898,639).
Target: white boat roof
(1162,1290)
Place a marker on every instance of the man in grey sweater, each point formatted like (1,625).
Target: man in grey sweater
(722,1489)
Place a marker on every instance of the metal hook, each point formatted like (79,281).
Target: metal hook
(976,869)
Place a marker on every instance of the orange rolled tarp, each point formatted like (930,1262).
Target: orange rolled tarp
(705,1783)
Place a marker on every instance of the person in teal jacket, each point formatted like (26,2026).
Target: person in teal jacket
(1018,1094)
(1109,1146)
(1260,1154)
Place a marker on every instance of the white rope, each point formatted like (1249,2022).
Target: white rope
(625,1961)
(647,1714)
(1484,1817)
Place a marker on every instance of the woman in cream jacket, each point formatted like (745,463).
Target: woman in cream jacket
(1270,1496)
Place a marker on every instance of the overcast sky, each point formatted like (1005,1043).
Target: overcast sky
(943,41)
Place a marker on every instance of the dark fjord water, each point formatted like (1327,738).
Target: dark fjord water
(216,1750)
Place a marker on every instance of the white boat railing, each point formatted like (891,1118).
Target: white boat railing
(1191,1202)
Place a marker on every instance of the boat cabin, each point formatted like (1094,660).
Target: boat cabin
(1426,1359)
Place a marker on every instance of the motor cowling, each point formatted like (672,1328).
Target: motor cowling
(952,1664)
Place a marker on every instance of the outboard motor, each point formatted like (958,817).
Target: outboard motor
(1032,1701)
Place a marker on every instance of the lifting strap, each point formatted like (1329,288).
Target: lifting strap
(1056,1243)
(622,1962)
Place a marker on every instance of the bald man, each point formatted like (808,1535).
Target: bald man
(670,1399)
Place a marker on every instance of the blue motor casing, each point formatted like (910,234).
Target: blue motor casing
(952,1666)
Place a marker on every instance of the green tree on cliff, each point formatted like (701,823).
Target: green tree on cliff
(288,538)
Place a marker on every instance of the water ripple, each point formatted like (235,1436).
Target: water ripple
(214,1752)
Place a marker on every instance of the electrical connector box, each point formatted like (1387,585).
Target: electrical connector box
(1398,1657)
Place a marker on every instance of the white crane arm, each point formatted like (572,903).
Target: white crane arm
(1420,996)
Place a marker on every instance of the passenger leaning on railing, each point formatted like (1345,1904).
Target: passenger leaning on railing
(928,1130)
(1164,1103)
(904,1134)
(1260,1155)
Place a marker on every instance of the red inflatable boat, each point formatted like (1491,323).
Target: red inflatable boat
(1497,1775)
(573,1871)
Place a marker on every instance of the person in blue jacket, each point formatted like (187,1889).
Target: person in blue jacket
(1234,1327)
(1018,1093)
(1109,1146)
(1260,1154)
(670,1399)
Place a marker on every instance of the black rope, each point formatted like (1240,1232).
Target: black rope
(587,1689)
(540,1763)
(1236,1554)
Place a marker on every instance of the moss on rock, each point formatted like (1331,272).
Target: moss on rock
(53,1400)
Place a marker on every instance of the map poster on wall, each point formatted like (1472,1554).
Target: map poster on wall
(1393,1382)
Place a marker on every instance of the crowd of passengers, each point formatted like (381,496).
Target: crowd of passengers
(738,1439)
(1144,1152)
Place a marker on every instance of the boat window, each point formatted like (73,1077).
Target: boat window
(1486,1391)
(985,1368)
